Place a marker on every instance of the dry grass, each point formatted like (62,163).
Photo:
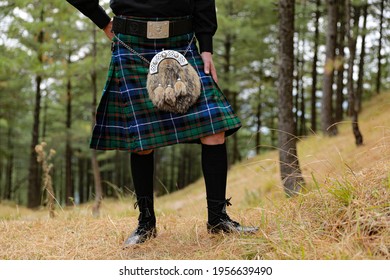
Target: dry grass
(344,212)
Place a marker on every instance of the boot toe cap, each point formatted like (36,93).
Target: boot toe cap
(139,237)
(231,227)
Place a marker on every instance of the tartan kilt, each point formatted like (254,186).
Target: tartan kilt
(126,118)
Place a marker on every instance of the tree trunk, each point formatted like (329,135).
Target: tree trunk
(296,99)
(314,68)
(236,151)
(94,161)
(301,92)
(61,182)
(297,84)
(190,167)
(274,136)
(69,193)
(352,38)
(34,186)
(172,184)
(98,184)
(228,44)
(181,164)
(300,62)
(339,111)
(258,122)
(355,129)
(7,195)
(81,162)
(302,117)
(289,165)
(327,120)
(359,89)
(44,124)
(124,172)
(118,170)
(378,77)
(90,175)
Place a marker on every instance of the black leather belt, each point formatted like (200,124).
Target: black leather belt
(151,29)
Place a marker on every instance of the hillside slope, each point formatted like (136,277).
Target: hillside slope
(343,213)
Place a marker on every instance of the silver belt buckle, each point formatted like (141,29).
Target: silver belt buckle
(157,29)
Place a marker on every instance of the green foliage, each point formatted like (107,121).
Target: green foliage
(343,191)
(245,48)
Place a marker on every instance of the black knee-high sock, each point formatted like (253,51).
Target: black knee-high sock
(142,169)
(214,166)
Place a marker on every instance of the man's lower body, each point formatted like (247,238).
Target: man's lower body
(214,167)
(126,119)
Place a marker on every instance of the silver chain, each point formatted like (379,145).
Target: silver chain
(142,57)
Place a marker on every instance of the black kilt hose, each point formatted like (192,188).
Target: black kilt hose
(126,118)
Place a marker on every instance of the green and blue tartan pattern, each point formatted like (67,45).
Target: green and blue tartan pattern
(126,118)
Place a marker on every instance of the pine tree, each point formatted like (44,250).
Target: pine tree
(289,163)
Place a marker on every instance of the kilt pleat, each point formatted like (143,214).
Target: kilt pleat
(126,118)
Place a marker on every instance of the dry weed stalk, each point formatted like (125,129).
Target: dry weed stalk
(44,159)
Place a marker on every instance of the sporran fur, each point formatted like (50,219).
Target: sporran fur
(174,88)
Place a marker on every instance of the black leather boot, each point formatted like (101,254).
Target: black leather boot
(219,220)
(146,223)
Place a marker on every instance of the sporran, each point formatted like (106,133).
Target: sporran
(172,83)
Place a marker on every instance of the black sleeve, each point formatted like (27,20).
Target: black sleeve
(92,10)
(205,20)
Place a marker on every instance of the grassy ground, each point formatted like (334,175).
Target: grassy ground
(343,213)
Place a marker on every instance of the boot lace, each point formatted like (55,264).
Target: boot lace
(219,209)
(145,218)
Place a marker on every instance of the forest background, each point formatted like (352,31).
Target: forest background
(53,64)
